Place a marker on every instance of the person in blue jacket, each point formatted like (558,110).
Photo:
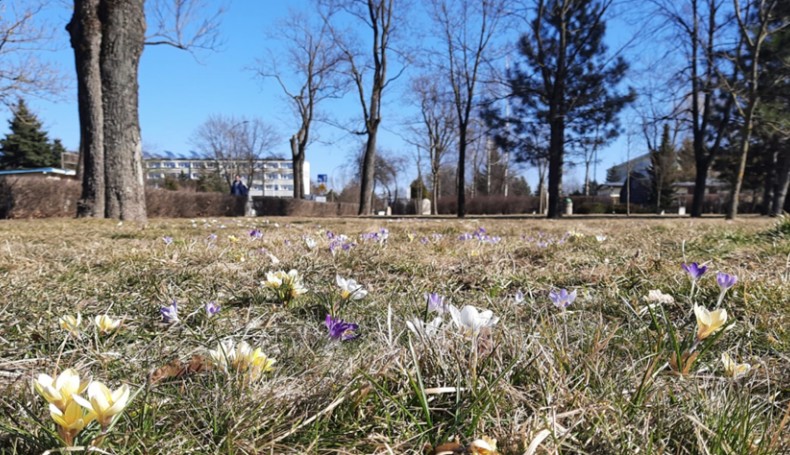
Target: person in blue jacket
(238,188)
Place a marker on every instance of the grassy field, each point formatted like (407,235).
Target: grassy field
(617,371)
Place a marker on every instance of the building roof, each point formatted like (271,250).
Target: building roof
(40,170)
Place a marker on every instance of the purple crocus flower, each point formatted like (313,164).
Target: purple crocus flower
(562,299)
(170,313)
(212,308)
(211,238)
(435,302)
(725,280)
(694,270)
(340,329)
(519,297)
(256,234)
(167,239)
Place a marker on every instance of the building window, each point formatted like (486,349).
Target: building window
(287,165)
(170,164)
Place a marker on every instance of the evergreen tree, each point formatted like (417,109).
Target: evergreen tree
(662,172)
(568,79)
(26,146)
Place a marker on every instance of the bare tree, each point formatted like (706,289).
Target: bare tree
(21,34)
(237,145)
(754,24)
(108,38)
(437,132)
(467,29)
(312,61)
(379,18)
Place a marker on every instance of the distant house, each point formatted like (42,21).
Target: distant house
(617,177)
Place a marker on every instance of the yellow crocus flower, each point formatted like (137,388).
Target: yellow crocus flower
(709,322)
(71,324)
(71,421)
(106,324)
(483,446)
(59,391)
(733,369)
(104,403)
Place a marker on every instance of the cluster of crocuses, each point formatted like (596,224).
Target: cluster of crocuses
(709,324)
(480,235)
(379,236)
(241,359)
(286,285)
(170,312)
(71,412)
(104,324)
(337,328)
(469,320)
(339,242)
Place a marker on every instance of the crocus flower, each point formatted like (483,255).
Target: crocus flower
(694,270)
(435,302)
(211,238)
(106,324)
(519,297)
(212,308)
(600,238)
(725,281)
(71,324)
(562,299)
(483,446)
(71,420)
(170,313)
(256,234)
(733,369)
(310,243)
(104,403)
(232,238)
(168,240)
(59,391)
(709,322)
(424,329)
(470,320)
(350,289)
(241,358)
(340,329)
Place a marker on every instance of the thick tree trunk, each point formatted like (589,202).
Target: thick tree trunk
(556,152)
(782,183)
(368,174)
(85,31)
(461,176)
(123,35)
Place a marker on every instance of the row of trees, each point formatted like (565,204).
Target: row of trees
(562,95)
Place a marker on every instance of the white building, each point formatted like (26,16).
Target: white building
(271,177)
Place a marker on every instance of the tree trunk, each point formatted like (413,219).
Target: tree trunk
(556,146)
(435,193)
(123,35)
(746,136)
(368,174)
(85,31)
(461,176)
(699,188)
(298,152)
(782,183)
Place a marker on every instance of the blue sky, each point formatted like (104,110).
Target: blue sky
(178,92)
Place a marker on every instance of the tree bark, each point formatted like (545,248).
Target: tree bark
(461,175)
(298,147)
(85,32)
(556,152)
(368,173)
(782,183)
(123,36)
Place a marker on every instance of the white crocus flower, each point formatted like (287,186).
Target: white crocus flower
(424,329)
(350,289)
(471,321)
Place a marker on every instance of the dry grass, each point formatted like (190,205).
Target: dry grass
(589,380)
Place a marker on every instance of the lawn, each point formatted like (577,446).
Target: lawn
(215,352)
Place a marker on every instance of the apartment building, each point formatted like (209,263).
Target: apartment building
(271,177)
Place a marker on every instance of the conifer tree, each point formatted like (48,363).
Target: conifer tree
(26,145)
(662,172)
